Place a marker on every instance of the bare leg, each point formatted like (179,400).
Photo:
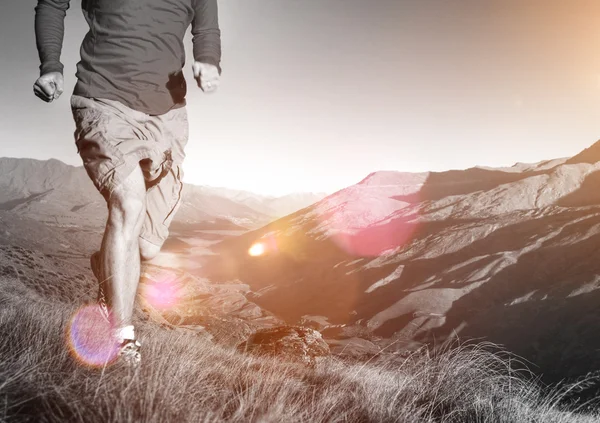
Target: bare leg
(120,253)
(148,251)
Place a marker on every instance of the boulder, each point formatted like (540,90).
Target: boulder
(293,343)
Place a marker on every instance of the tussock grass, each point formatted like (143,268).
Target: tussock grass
(186,378)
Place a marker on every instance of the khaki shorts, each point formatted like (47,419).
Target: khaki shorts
(113,139)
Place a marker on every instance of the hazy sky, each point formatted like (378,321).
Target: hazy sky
(316,94)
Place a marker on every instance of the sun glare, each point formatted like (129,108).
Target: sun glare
(257,249)
(161,290)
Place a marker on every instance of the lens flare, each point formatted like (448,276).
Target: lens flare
(266,245)
(161,291)
(374,217)
(257,249)
(376,240)
(90,337)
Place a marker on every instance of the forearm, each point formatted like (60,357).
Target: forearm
(206,33)
(49,33)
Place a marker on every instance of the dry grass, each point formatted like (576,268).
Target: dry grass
(185,378)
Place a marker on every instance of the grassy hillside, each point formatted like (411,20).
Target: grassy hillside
(187,378)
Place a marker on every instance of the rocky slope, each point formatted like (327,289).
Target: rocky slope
(510,255)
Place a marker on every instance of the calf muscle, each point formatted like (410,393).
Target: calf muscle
(120,246)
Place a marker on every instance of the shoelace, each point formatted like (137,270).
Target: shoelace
(103,303)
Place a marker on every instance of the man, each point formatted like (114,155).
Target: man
(131,125)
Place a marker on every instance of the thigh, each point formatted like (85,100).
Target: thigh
(110,141)
(164,196)
(171,132)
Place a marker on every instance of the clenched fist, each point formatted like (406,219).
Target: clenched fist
(207,76)
(49,86)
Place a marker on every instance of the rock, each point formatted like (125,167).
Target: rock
(197,330)
(315,322)
(250,311)
(354,347)
(293,343)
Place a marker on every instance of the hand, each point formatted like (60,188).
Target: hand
(207,76)
(49,86)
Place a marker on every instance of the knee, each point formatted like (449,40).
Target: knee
(125,212)
(127,202)
(148,250)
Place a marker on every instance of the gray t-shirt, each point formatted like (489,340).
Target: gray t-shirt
(133,52)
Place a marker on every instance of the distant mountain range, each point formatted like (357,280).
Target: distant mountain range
(510,255)
(267,205)
(53,192)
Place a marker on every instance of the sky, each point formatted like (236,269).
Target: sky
(317,94)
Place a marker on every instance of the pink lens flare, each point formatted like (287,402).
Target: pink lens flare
(161,292)
(90,337)
(370,220)
(375,240)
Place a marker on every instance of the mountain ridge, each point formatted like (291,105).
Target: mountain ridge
(424,257)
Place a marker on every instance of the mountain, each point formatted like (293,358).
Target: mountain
(22,178)
(62,195)
(269,205)
(510,255)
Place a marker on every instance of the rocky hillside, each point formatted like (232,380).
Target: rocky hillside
(510,255)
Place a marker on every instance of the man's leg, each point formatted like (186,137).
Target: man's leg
(120,154)
(148,250)
(164,199)
(162,202)
(120,256)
